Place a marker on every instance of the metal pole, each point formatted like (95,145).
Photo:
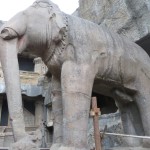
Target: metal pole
(95,112)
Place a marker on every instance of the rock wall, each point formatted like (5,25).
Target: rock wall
(127,17)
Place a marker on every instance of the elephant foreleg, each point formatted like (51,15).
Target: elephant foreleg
(56,96)
(77,82)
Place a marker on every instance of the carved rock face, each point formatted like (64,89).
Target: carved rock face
(119,68)
(130,18)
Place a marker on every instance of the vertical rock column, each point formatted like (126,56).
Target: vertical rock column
(38,112)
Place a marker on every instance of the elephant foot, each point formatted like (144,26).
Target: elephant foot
(72,148)
(24,144)
(146,143)
(55,146)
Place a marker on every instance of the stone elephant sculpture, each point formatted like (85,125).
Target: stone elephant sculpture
(81,56)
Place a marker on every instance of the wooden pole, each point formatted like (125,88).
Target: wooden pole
(95,112)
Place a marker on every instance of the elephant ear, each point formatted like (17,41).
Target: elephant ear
(58,27)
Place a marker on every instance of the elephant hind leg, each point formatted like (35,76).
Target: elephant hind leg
(130,117)
(143,102)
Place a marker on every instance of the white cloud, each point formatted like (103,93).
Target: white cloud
(8,8)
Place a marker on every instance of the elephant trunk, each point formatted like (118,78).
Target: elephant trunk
(9,61)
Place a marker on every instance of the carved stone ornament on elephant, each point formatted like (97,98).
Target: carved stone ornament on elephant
(81,56)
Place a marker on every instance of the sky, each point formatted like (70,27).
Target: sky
(8,8)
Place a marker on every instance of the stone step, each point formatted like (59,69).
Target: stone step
(7,148)
(127,148)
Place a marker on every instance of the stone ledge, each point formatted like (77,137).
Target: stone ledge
(127,148)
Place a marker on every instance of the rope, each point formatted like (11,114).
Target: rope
(125,135)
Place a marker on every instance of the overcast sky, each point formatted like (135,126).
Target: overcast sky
(8,8)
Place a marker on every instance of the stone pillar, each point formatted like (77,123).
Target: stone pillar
(38,112)
(50,116)
(1,104)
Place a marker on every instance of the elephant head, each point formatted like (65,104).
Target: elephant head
(38,28)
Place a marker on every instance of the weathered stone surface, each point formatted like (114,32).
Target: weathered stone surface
(40,67)
(24,144)
(27,89)
(127,17)
(81,56)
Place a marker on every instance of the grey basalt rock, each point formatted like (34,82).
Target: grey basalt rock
(81,56)
(114,125)
(126,17)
